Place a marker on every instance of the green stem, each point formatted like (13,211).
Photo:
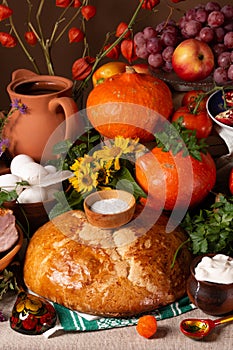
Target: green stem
(45,44)
(31,59)
(67,25)
(38,14)
(177,251)
(104,53)
(208,93)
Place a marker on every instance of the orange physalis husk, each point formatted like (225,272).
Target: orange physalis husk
(114,53)
(75,35)
(76,3)
(63,3)
(88,11)
(82,67)
(128,50)
(5,12)
(7,40)
(30,38)
(121,28)
(149,4)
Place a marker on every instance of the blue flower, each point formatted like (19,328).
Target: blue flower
(4,144)
(17,104)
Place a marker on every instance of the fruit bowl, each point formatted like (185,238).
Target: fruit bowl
(6,258)
(179,85)
(215,105)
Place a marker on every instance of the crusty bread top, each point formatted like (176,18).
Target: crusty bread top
(4,211)
(118,272)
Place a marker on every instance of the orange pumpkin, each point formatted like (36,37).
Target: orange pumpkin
(129,104)
(175,181)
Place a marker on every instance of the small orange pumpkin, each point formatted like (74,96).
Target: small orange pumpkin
(129,104)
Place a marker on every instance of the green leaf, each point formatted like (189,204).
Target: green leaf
(127,182)
(7,282)
(6,196)
(65,203)
(62,147)
(211,230)
(176,138)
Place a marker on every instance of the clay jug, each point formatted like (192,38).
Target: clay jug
(49,114)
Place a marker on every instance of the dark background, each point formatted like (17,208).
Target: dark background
(109,14)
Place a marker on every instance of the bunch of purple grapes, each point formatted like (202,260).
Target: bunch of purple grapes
(210,23)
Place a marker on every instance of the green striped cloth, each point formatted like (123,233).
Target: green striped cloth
(69,320)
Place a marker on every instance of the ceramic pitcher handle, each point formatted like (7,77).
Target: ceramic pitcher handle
(73,125)
(22,74)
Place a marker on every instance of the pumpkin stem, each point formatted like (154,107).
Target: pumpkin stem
(130,69)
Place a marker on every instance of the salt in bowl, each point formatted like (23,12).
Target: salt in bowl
(109,208)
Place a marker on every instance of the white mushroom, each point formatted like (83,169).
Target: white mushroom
(56,178)
(8,183)
(51,169)
(43,181)
(32,173)
(18,163)
(33,195)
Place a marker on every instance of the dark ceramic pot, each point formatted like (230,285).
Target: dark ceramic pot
(31,216)
(212,298)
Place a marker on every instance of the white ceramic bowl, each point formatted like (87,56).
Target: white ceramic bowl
(215,106)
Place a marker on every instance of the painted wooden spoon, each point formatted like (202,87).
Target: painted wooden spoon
(31,314)
(199,328)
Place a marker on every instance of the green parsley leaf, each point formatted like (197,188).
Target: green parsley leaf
(211,230)
(176,138)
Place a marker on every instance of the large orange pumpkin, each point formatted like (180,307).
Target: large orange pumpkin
(175,181)
(129,104)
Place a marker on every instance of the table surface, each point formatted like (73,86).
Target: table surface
(168,336)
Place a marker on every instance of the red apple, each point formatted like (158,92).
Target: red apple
(193,60)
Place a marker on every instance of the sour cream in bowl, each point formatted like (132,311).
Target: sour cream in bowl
(210,284)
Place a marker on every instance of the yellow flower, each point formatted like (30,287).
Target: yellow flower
(86,178)
(97,170)
(120,146)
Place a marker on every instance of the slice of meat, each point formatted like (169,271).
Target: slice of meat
(8,231)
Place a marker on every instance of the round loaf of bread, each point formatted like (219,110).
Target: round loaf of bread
(113,273)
